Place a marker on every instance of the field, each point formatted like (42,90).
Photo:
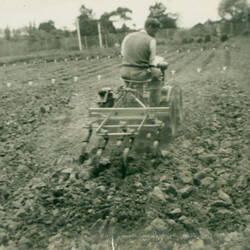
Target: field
(196,197)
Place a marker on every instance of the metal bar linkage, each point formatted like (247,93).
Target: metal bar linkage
(147,109)
(120,133)
(129,126)
(142,122)
(138,101)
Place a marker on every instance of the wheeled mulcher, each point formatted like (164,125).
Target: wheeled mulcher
(123,116)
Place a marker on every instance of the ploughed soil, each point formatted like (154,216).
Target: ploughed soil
(195,196)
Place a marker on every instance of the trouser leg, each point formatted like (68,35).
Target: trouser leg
(155,94)
(155,88)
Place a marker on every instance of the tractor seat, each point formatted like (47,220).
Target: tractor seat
(136,81)
(130,83)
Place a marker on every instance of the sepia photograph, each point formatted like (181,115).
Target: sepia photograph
(124,125)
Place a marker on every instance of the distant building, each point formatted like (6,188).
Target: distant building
(199,30)
(213,27)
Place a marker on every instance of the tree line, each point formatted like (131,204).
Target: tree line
(46,35)
(88,24)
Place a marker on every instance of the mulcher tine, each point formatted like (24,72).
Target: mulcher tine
(119,142)
(84,154)
(132,139)
(84,150)
(103,141)
(99,152)
(124,126)
(156,143)
(106,139)
(101,147)
(156,148)
(128,147)
(125,155)
(90,132)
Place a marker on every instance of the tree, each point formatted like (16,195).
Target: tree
(159,12)
(122,13)
(47,26)
(107,24)
(66,32)
(32,37)
(234,10)
(234,13)
(85,12)
(7,33)
(121,17)
(16,34)
(87,22)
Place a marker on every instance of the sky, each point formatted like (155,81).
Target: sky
(19,13)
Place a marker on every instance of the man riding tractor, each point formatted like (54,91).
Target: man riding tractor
(139,60)
(132,112)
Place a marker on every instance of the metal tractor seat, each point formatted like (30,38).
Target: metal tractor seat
(132,81)
(137,89)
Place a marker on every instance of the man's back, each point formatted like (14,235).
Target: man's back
(136,49)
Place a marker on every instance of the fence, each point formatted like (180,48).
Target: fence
(108,40)
(25,45)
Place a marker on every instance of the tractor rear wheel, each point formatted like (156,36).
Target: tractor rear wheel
(175,108)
